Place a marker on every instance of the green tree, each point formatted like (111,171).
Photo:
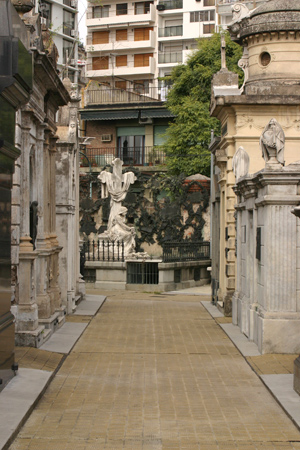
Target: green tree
(188,137)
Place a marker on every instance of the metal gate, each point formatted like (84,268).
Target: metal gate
(142,273)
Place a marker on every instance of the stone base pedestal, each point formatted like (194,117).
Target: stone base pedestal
(81,288)
(274,335)
(71,304)
(54,322)
(34,338)
(297,375)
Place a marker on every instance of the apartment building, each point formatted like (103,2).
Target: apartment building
(130,45)
(61,17)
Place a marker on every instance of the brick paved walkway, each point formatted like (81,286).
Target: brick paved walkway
(156,372)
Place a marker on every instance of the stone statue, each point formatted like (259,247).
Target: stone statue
(116,185)
(271,143)
(119,232)
(240,163)
(33,222)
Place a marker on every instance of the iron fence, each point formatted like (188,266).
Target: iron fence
(185,251)
(131,156)
(142,273)
(103,250)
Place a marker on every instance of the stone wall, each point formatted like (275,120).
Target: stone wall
(266,301)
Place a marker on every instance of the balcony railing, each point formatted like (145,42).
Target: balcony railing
(170,31)
(166,58)
(172,4)
(106,96)
(131,156)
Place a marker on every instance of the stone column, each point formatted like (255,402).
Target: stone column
(54,289)
(27,327)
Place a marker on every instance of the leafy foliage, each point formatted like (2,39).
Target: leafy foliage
(155,205)
(188,137)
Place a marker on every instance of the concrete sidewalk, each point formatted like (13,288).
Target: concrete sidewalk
(37,367)
(156,372)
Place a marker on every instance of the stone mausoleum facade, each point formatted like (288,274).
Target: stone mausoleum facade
(270,35)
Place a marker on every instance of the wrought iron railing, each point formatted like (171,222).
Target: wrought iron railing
(106,96)
(185,251)
(170,31)
(131,156)
(103,250)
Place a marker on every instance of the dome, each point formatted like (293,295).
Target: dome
(276,6)
(272,16)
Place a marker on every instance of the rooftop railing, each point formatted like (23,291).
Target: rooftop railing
(131,156)
(106,96)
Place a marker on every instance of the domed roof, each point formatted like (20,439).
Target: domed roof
(276,5)
(272,16)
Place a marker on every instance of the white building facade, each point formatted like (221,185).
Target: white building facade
(130,45)
(61,17)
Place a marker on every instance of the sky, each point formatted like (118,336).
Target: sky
(82,5)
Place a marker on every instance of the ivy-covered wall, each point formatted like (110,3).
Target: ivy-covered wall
(161,207)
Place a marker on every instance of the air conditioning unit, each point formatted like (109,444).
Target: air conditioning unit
(73,33)
(74,3)
(43,21)
(145,120)
(72,62)
(160,7)
(106,138)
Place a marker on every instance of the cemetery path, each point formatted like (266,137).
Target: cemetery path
(156,372)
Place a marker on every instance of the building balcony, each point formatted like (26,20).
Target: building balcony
(131,156)
(170,58)
(113,21)
(124,46)
(103,95)
(169,33)
(123,71)
(167,5)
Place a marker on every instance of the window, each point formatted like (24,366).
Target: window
(121,35)
(142,60)
(100,11)
(69,22)
(265,59)
(208,28)
(100,63)
(45,9)
(142,7)
(67,51)
(121,9)
(131,147)
(100,37)
(141,86)
(121,60)
(202,16)
(209,3)
(120,84)
(142,34)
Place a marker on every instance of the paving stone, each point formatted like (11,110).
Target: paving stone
(156,372)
